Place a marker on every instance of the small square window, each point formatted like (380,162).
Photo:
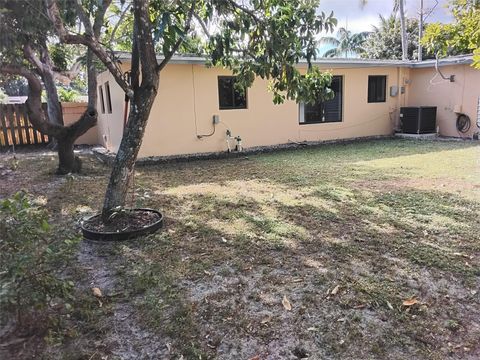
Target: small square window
(102,100)
(229,97)
(324,111)
(109,98)
(377,88)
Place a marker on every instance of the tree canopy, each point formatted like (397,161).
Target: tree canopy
(346,43)
(460,37)
(385,41)
(28,49)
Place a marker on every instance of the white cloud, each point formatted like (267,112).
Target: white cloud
(350,14)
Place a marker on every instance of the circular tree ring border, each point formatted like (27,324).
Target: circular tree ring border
(122,235)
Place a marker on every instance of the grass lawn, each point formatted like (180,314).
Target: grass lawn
(344,234)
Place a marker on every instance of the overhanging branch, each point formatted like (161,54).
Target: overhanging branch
(175,47)
(90,41)
(36,114)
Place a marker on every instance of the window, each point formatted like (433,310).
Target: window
(102,101)
(377,88)
(109,98)
(325,111)
(230,97)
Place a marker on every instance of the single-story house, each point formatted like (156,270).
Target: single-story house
(198,109)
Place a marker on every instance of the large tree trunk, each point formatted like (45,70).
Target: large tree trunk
(143,53)
(52,125)
(123,166)
(54,108)
(67,161)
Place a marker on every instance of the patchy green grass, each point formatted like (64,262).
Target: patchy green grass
(345,232)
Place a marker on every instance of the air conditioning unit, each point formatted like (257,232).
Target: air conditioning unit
(418,120)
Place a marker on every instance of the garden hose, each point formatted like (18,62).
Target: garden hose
(463,123)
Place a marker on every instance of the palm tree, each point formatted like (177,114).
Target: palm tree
(398,5)
(346,44)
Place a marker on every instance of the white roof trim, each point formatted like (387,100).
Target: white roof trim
(332,62)
(452,60)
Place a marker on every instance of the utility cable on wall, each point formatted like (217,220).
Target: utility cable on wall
(199,136)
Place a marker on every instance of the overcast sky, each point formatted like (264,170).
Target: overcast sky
(349,13)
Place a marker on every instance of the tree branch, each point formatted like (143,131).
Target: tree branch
(245,10)
(99,16)
(84,17)
(202,24)
(120,20)
(146,48)
(65,77)
(89,41)
(179,41)
(32,58)
(36,115)
(82,125)
(44,66)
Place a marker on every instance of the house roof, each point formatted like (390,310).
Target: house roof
(332,62)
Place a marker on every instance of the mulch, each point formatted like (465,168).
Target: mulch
(128,220)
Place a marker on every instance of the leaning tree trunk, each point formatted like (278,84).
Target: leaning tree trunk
(123,166)
(52,125)
(67,161)
(143,52)
(65,135)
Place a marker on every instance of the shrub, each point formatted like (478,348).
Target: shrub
(32,256)
(66,95)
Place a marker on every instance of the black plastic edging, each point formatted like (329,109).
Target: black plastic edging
(123,235)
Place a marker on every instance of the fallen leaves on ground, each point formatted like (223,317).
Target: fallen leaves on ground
(286,303)
(97,292)
(410,302)
(335,290)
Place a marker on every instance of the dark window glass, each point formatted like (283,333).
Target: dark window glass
(377,88)
(109,98)
(326,111)
(102,101)
(229,97)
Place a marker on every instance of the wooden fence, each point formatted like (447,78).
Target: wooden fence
(15,128)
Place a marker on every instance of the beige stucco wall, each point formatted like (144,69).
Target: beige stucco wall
(426,88)
(71,113)
(188,98)
(110,126)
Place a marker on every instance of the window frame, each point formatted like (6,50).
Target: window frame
(374,101)
(220,107)
(109,97)
(102,101)
(342,79)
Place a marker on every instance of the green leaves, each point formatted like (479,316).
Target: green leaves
(270,39)
(32,257)
(346,43)
(385,41)
(460,37)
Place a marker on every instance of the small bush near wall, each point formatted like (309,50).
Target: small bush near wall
(33,290)
(67,95)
